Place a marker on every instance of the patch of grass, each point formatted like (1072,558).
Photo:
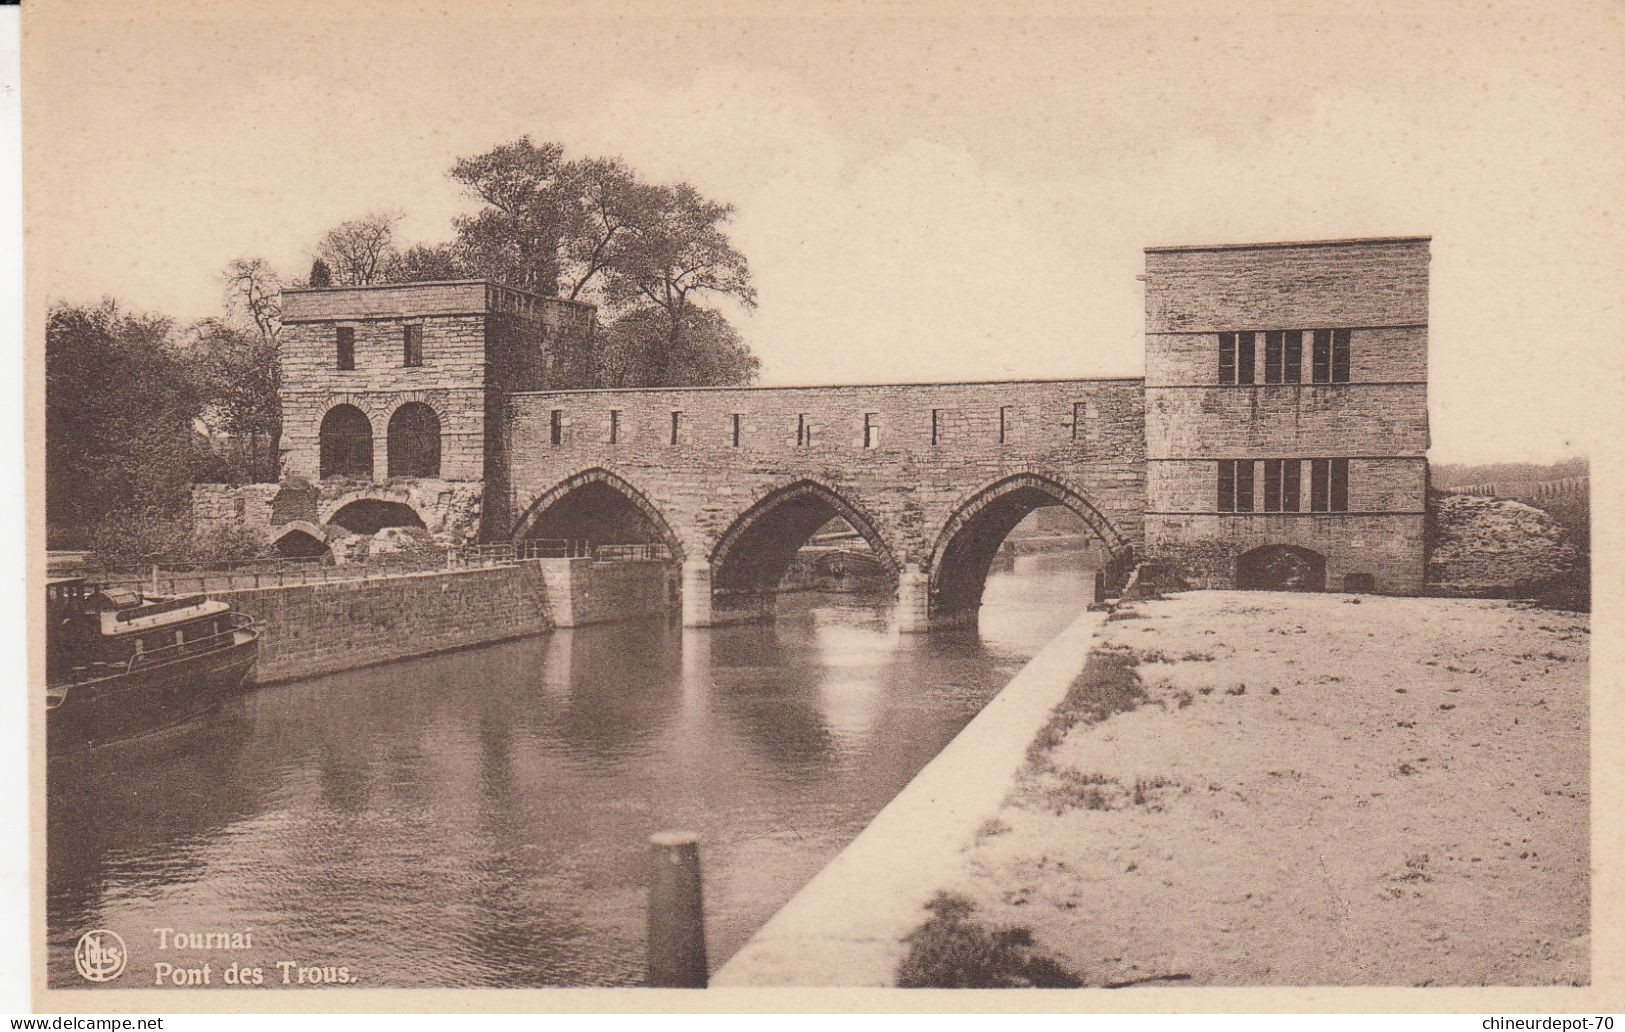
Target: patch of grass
(1125,614)
(1144,788)
(955,950)
(1108,685)
(992,827)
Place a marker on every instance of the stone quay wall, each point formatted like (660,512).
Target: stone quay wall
(323,628)
(316,629)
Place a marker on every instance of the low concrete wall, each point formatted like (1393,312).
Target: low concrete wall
(587,592)
(321,628)
(846,927)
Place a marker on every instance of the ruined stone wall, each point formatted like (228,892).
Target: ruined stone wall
(1378,420)
(1086,435)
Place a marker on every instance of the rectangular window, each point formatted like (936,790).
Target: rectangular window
(736,420)
(1291,482)
(412,345)
(346,344)
(1235,485)
(871,430)
(1004,423)
(1244,485)
(1319,484)
(1339,501)
(1227,358)
(936,425)
(1244,357)
(1274,354)
(614,426)
(803,432)
(1322,370)
(1292,371)
(1272,485)
(1340,356)
(676,425)
(1080,412)
(555,427)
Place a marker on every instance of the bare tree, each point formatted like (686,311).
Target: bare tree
(254,289)
(359,251)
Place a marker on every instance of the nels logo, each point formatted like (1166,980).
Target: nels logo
(100,955)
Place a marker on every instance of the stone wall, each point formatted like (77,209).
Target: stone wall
(1378,420)
(321,628)
(1205,547)
(221,507)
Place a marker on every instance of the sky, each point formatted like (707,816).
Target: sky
(924,191)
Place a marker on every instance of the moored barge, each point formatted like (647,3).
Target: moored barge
(122,665)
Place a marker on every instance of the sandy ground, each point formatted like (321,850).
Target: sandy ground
(1320,790)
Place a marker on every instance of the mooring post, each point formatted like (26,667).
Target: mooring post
(676,912)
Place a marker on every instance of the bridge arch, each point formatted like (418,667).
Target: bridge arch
(596,505)
(971,537)
(751,557)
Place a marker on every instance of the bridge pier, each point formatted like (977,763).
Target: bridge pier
(913,600)
(696,593)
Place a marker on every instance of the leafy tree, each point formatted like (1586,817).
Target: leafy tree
(530,199)
(678,256)
(358,252)
(120,406)
(634,350)
(320,274)
(610,207)
(425,262)
(241,375)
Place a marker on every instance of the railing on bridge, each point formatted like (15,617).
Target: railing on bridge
(190,577)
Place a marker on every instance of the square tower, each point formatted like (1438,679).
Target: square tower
(393,395)
(1286,415)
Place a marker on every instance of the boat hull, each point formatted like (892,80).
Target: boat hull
(125,707)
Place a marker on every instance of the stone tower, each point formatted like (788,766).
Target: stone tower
(394,397)
(1286,420)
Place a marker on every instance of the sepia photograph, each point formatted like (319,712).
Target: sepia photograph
(1085,500)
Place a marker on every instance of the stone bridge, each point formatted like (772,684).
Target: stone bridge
(735,480)
(1278,439)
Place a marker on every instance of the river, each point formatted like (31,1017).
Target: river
(480,818)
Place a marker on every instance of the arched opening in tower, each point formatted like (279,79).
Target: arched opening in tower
(346,443)
(414,441)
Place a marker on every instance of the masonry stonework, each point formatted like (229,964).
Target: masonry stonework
(731,482)
(478,342)
(1375,291)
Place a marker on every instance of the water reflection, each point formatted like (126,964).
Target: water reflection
(479,818)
